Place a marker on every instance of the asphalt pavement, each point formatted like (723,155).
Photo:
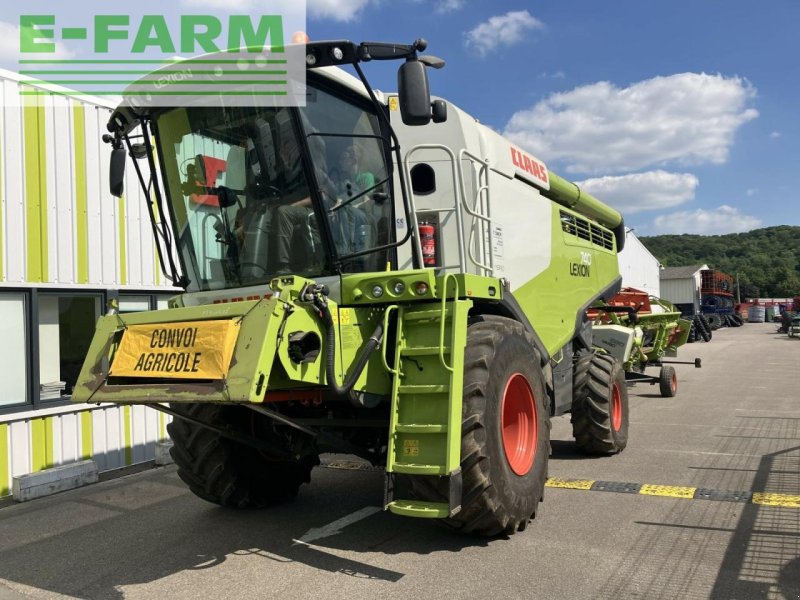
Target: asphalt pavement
(703,503)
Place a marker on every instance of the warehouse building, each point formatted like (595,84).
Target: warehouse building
(681,286)
(67,248)
(638,267)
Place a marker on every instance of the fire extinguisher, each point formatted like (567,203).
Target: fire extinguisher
(427,236)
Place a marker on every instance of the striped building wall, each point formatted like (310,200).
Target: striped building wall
(60,229)
(59,225)
(113,436)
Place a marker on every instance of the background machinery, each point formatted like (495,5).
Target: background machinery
(423,308)
(659,330)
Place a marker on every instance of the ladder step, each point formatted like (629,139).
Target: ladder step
(417,469)
(416,508)
(420,428)
(423,389)
(424,351)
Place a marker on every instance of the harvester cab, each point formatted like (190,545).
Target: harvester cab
(422,308)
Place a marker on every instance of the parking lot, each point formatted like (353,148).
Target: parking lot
(703,503)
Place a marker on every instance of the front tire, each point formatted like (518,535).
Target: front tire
(228,473)
(505,432)
(599,404)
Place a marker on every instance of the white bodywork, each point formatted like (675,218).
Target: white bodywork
(614,339)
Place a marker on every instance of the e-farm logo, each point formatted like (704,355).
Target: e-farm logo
(241,57)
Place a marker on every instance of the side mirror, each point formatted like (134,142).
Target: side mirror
(415,95)
(116,172)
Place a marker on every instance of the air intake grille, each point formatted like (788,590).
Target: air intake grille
(581,228)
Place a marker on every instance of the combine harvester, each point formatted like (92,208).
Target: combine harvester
(658,331)
(374,274)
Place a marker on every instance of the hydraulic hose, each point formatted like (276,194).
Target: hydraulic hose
(320,302)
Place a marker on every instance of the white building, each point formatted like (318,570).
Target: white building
(67,247)
(681,286)
(639,268)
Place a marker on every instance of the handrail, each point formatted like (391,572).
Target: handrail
(384,342)
(443,322)
(487,219)
(457,190)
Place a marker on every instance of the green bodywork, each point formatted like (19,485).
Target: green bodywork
(555,299)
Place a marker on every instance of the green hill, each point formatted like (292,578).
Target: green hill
(767,260)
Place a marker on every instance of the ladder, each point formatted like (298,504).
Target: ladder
(425,421)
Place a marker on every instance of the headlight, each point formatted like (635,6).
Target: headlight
(377,291)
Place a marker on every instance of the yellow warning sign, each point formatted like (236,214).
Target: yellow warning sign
(393,103)
(183,350)
(411,447)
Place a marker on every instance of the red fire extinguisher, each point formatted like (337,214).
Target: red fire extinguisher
(427,236)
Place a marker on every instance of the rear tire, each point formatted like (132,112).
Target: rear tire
(503,459)
(668,382)
(225,472)
(599,404)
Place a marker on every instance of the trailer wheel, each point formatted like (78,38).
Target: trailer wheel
(668,382)
(505,432)
(228,473)
(599,404)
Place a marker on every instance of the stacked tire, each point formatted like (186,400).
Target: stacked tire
(733,320)
(701,329)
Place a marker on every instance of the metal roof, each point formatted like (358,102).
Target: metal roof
(681,272)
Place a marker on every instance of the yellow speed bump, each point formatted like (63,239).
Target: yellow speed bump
(777,500)
(671,491)
(570,484)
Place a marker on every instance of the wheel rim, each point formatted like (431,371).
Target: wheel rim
(616,408)
(519,424)
(673,383)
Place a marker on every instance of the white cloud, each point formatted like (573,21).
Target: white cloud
(446,6)
(683,119)
(9,45)
(501,30)
(775,135)
(751,192)
(638,192)
(720,220)
(336,10)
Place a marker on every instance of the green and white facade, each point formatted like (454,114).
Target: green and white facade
(67,247)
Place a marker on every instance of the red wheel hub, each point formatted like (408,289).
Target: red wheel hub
(674,383)
(616,408)
(519,424)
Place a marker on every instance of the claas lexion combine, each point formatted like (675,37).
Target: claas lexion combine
(423,308)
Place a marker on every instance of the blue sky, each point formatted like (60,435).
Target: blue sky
(682,114)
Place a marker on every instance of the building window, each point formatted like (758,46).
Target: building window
(66,328)
(131,304)
(14,349)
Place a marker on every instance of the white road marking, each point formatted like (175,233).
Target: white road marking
(335,528)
